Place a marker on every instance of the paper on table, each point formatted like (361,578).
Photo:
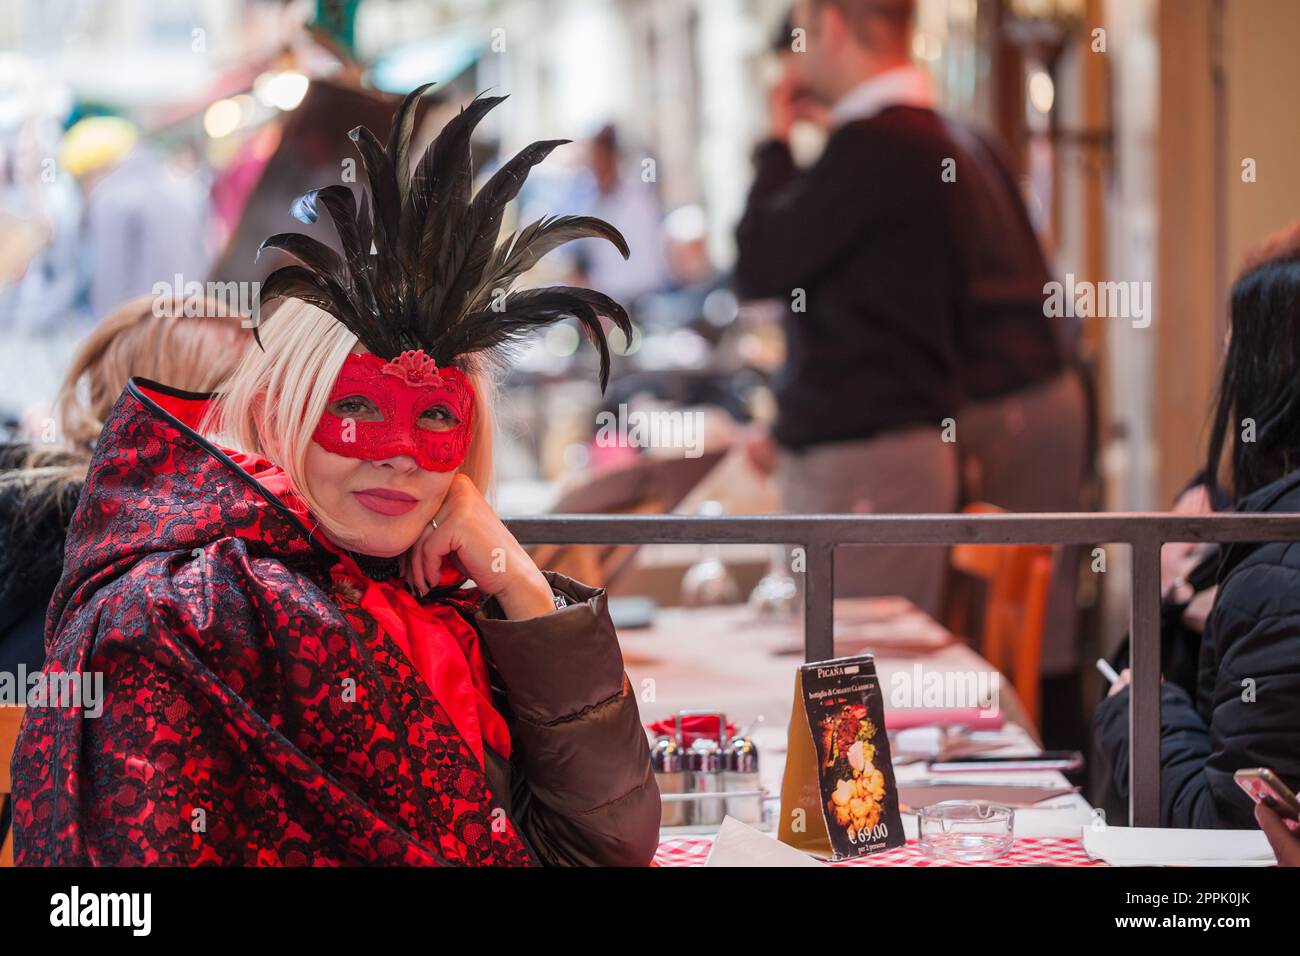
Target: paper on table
(902,637)
(974,718)
(1009,740)
(738,844)
(923,795)
(1147,846)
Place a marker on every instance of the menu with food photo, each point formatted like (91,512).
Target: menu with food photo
(838,797)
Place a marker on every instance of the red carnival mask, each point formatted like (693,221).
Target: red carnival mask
(403,390)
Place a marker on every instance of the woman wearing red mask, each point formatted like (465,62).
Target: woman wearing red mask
(270,579)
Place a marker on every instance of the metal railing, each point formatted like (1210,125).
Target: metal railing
(821,534)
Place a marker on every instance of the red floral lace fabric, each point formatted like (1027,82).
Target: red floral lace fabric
(251,714)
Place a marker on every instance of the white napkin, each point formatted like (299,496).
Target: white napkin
(1146,846)
(738,844)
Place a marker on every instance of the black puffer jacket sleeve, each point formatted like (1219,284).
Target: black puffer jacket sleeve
(582,790)
(1185,796)
(1248,699)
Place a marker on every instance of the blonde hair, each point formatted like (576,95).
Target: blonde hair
(190,352)
(144,337)
(271,403)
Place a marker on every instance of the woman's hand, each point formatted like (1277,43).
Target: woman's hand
(469,531)
(1283,835)
(760,450)
(1124,680)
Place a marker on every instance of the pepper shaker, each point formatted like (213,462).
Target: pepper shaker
(704,775)
(741,773)
(670,773)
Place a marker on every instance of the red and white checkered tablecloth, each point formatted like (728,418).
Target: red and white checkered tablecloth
(1030,851)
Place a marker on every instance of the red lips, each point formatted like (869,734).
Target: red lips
(386,501)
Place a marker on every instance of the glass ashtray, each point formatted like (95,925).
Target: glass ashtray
(966,830)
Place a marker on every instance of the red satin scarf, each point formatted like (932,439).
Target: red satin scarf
(442,645)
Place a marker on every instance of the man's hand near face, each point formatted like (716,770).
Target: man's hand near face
(791,102)
(781,104)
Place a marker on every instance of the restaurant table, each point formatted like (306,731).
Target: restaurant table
(734,659)
(1029,851)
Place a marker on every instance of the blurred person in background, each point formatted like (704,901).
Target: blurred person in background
(1023,433)
(859,245)
(1188,586)
(41,280)
(1245,711)
(41,479)
(147,218)
(924,307)
(615,192)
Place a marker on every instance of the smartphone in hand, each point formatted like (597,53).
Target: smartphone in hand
(1264,787)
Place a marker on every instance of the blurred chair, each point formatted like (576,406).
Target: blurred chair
(651,486)
(11,718)
(1014,580)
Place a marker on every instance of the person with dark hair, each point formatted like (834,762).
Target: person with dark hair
(1245,711)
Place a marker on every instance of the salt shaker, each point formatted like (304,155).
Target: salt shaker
(704,775)
(670,773)
(740,772)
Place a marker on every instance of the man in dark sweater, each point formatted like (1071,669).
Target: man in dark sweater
(1022,436)
(859,246)
(898,306)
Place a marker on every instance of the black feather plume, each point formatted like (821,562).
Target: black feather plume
(437,278)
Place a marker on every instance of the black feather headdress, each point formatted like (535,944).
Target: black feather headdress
(436,279)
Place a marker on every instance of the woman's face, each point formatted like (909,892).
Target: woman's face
(388,501)
(386,451)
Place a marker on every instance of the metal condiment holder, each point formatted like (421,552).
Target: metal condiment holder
(680,738)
